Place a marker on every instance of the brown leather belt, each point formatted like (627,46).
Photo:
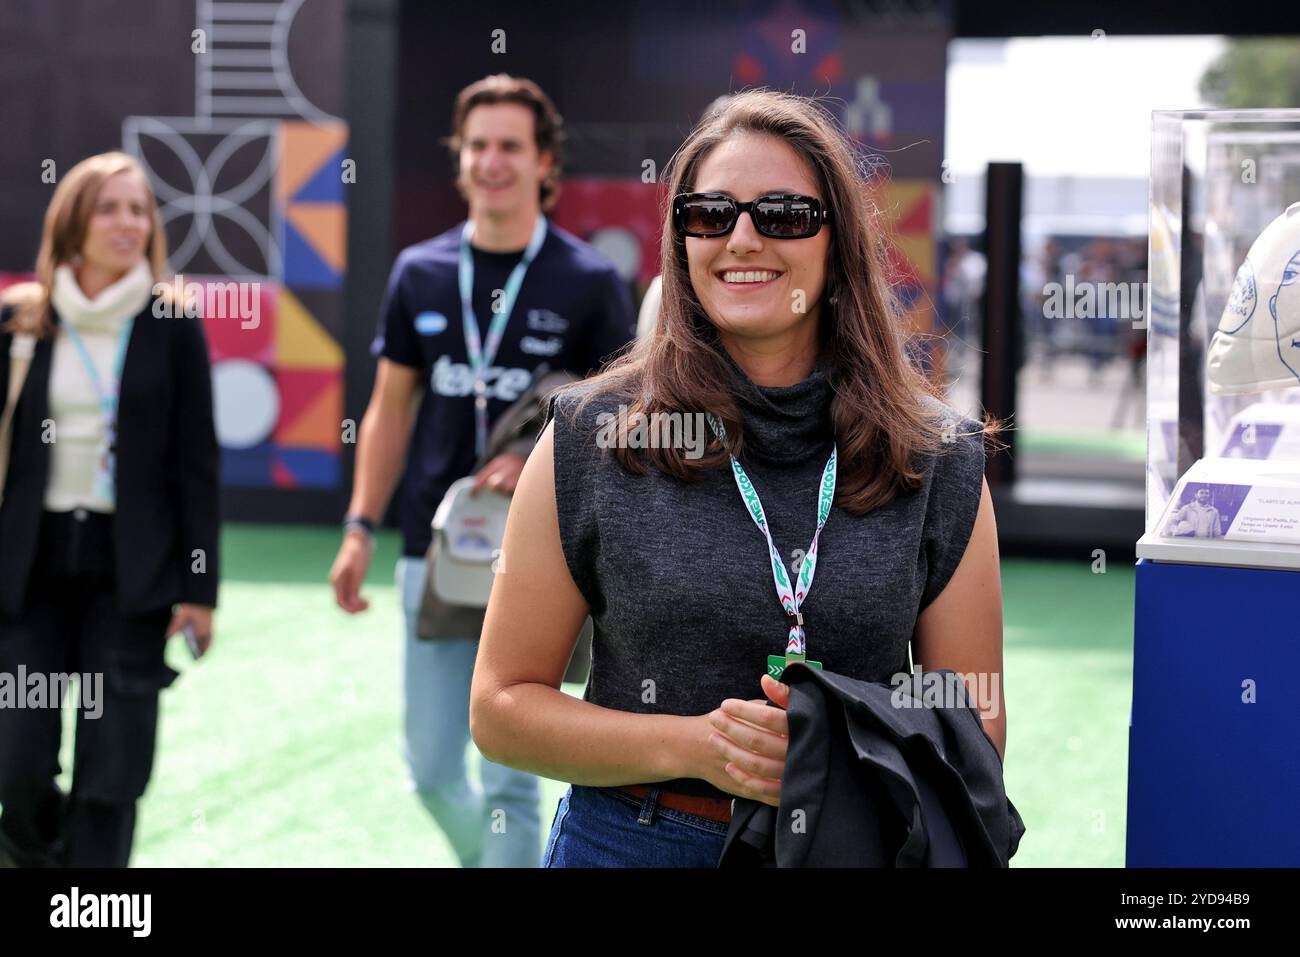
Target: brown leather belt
(715,809)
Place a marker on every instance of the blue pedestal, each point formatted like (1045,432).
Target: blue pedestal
(1213,781)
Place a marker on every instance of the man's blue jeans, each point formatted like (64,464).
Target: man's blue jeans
(496,825)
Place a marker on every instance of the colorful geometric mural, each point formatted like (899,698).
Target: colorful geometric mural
(908,207)
(279,395)
(251,189)
(789,45)
(309,198)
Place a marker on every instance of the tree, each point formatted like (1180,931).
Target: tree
(1254,72)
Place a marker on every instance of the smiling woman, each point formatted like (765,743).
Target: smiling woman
(778,327)
(761,280)
(109,517)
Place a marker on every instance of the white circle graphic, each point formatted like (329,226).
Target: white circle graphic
(621,247)
(247,403)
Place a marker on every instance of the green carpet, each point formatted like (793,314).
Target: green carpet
(1129,445)
(282,747)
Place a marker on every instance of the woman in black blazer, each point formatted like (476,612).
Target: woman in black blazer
(109,517)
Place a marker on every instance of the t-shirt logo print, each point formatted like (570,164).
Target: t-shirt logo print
(543,320)
(541,347)
(456,379)
(430,323)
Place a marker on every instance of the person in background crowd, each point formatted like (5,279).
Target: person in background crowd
(962,289)
(470,318)
(110,517)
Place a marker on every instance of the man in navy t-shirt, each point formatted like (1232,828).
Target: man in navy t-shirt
(573,311)
(564,307)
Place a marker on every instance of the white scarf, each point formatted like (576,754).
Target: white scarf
(108,310)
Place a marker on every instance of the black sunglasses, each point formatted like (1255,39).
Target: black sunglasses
(776,215)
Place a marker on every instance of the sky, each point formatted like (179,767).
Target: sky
(1067,105)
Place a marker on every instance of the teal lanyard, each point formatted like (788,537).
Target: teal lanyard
(791,597)
(481,356)
(104,481)
(107,395)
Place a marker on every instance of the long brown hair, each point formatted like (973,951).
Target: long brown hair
(881,421)
(64,233)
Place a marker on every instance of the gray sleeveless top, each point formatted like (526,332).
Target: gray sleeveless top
(678,576)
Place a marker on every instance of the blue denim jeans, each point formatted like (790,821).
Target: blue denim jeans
(497,824)
(603,827)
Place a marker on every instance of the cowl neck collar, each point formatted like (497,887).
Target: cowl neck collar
(784,425)
(110,309)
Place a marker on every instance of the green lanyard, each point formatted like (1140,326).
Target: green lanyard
(791,596)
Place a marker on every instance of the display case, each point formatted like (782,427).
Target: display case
(1223,339)
(1213,769)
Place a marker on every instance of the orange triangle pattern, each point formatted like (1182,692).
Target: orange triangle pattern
(324,227)
(318,425)
(303,148)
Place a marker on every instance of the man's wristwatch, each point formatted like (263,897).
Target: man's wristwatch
(359,523)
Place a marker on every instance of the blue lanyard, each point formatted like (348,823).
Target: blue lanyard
(481,356)
(107,396)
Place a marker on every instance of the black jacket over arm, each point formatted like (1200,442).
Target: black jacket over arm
(880,775)
(167,520)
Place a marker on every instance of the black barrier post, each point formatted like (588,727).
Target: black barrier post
(372,66)
(1002,333)
(1191,354)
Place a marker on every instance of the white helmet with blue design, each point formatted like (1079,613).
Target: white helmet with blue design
(1257,344)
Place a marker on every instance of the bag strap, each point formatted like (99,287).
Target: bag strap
(21,349)
(525,418)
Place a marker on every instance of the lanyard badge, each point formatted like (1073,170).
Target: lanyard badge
(481,355)
(790,594)
(106,464)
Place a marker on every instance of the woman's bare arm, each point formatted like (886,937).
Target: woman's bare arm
(518,715)
(962,628)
